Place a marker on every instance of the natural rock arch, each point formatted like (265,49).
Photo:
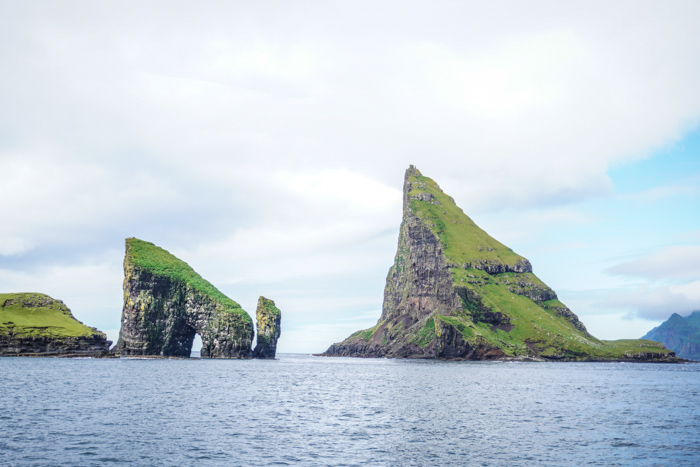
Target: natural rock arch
(166,303)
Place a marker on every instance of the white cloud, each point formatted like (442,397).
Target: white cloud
(92,290)
(502,83)
(674,262)
(246,141)
(10,246)
(657,303)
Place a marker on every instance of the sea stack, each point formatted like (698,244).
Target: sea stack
(268,318)
(36,324)
(454,292)
(166,303)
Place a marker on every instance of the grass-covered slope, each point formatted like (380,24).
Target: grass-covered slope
(502,311)
(462,240)
(29,315)
(149,257)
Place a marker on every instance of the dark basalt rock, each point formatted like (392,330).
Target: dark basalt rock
(166,303)
(268,318)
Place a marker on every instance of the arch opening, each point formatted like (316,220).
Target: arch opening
(196,351)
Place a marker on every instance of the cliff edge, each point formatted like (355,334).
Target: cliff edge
(166,303)
(454,292)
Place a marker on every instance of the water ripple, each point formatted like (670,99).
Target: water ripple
(301,410)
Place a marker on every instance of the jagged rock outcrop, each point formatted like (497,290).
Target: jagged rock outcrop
(36,324)
(682,335)
(454,292)
(166,303)
(268,318)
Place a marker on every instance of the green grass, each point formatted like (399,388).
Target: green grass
(463,241)
(538,322)
(535,322)
(52,319)
(269,306)
(160,262)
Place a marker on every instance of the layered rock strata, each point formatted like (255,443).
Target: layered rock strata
(454,292)
(166,303)
(268,321)
(36,324)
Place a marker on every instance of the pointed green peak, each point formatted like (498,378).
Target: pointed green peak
(149,257)
(464,243)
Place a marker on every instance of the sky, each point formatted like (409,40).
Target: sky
(265,143)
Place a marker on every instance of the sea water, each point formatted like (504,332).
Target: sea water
(304,410)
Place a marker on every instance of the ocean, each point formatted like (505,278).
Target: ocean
(319,411)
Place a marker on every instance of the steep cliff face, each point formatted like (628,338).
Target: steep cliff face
(454,292)
(682,335)
(166,303)
(33,323)
(268,318)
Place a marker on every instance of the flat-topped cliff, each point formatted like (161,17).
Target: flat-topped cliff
(166,303)
(455,292)
(36,324)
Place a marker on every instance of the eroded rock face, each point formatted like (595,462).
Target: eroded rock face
(454,292)
(166,303)
(268,318)
(36,324)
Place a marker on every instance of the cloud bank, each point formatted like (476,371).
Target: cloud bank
(236,137)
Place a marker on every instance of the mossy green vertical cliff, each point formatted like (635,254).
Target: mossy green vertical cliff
(455,292)
(268,322)
(166,303)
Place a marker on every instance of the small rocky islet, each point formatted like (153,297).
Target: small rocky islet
(34,324)
(456,293)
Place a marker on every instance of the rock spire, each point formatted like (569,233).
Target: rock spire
(455,292)
(268,318)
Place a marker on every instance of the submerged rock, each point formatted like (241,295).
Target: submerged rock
(455,292)
(166,303)
(268,318)
(36,324)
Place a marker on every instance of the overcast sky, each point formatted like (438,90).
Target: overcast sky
(265,143)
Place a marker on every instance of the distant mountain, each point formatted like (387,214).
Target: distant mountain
(682,335)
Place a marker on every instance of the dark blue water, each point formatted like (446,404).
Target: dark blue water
(301,410)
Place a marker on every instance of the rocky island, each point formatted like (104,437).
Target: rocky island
(166,303)
(454,292)
(268,320)
(36,324)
